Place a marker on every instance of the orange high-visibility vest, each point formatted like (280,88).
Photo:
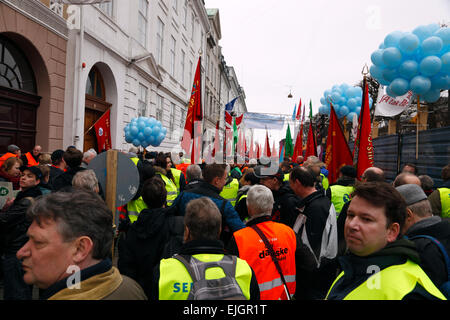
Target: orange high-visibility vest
(6,156)
(253,250)
(31,161)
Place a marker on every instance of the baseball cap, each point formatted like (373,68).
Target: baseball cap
(266,172)
(34,170)
(412,193)
(13,148)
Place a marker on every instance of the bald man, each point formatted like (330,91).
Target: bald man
(406,178)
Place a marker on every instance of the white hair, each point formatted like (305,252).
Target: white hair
(260,199)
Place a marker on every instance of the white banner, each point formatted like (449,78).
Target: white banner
(263,121)
(388,106)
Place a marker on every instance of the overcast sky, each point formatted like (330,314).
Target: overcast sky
(308,46)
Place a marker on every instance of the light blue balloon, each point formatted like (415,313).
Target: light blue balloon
(134,130)
(144,144)
(392,39)
(152,140)
(152,122)
(422,32)
(351,103)
(358,110)
(420,84)
(161,137)
(392,57)
(390,93)
(433,27)
(377,58)
(141,124)
(350,116)
(399,86)
(335,96)
(370,102)
(390,74)
(323,101)
(376,72)
(430,66)
(147,132)
(128,138)
(438,81)
(444,34)
(408,69)
(136,143)
(409,43)
(432,46)
(322,109)
(358,101)
(343,111)
(164,130)
(445,60)
(140,136)
(155,131)
(432,95)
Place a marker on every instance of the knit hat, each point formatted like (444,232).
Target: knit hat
(412,193)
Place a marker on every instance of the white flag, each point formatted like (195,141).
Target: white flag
(388,106)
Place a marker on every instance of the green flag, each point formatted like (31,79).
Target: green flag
(310,110)
(288,147)
(235,134)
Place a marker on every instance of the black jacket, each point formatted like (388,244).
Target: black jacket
(143,246)
(65,179)
(432,260)
(14,222)
(201,247)
(356,269)
(285,205)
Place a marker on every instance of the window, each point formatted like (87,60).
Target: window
(192,26)
(15,71)
(191,66)
(107,8)
(159,108)
(159,41)
(57,7)
(173,44)
(142,22)
(183,118)
(172,121)
(94,84)
(142,101)
(183,57)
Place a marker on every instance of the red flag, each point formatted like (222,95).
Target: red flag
(297,116)
(298,147)
(251,152)
(216,140)
(311,148)
(192,126)
(267,152)
(364,137)
(228,141)
(258,150)
(338,153)
(103,132)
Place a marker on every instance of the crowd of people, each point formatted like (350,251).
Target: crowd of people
(221,231)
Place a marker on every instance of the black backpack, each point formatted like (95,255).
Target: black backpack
(225,288)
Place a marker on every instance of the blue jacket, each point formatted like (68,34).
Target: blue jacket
(203,189)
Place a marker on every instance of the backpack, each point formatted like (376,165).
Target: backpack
(225,288)
(445,287)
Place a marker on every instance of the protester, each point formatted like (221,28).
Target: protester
(230,189)
(162,168)
(13,151)
(86,179)
(339,192)
(246,244)
(420,221)
(178,176)
(247,181)
(373,174)
(284,208)
(410,168)
(406,178)
(193,176)
(440,198)
(44,185)
(427,184)
(87,157)
(72,157)
(215,177)
(58,164)
(31,159)
(202,249)
(316,227)
(10,171)
(13,228)
(156,234)
(72,232)
(378,266)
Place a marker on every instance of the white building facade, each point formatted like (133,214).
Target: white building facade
(138,58)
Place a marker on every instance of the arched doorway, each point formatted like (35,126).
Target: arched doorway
(95,106)
(18,98)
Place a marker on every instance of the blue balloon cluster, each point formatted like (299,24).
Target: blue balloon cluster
(346,101)
(144,131)
(418,61)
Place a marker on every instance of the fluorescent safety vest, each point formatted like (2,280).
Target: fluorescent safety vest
(392,283)
(325,182)
(445,202)
(6,156)
(340,195)
(171,189)
(253,250)
(134,208)
(230,191)
(176,174)
(175,282)
(135,160)
(286,177)
(31,161)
